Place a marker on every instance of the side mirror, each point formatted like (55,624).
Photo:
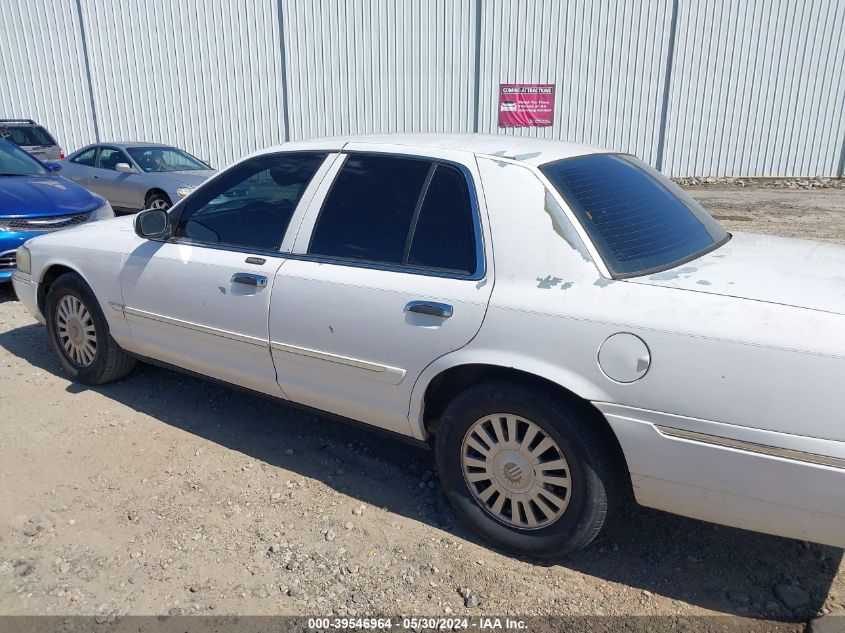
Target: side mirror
(152,224)
(124,168)
(53,166)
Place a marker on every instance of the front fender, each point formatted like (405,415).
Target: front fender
(101,272)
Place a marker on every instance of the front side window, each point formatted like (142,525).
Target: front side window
(109,157)
(399,211)
(251,204)
(161,159)
(639,220)
(85,158)
(16,162)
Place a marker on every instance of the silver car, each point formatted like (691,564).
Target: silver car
(135,176)
(31,137)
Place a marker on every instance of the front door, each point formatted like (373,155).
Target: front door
(80,169)
(388,273)
(201,300)
(110,183)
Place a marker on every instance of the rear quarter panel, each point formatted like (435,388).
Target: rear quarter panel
(713,357)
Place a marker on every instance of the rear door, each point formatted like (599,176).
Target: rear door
(389,272)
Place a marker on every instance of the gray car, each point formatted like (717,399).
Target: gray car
(135,176)
(31,137)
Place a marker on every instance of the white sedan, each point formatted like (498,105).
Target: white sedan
(560,323)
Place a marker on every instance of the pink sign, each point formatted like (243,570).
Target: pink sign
(526,105)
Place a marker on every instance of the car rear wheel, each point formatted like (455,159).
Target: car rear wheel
(530,472)
(79,334)
(157,201)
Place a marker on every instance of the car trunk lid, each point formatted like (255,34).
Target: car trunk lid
(785,271)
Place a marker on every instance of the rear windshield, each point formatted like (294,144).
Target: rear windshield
(639,220)
(26,135)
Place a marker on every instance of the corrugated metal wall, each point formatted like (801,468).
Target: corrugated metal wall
(356,67)
(710,87)
(757,88)
(607,59)
(202,75)
(42,68)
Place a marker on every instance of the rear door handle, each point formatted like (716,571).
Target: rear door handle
(250,279)
(431,308)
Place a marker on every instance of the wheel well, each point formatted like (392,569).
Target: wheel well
(156,191)
(50,275)
(450,383)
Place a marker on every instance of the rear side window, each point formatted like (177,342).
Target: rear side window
(639,220)
(444,236)
(251,204)
(26,135)
(398,211)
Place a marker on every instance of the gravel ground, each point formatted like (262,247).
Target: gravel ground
(165,494)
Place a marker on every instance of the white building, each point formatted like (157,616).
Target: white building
(708,88)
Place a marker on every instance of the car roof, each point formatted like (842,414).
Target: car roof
(125,144)
(118,144)
(18,122)
(520,148)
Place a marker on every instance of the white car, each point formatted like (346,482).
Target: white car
(561,323)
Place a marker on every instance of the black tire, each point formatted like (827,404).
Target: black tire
(590,453)
(157,200)
(109,362)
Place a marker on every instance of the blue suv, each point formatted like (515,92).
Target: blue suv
(34,200)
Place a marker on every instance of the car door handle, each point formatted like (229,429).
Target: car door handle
(249,279)
(431,308)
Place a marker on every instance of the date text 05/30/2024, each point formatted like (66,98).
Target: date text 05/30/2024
(416,624)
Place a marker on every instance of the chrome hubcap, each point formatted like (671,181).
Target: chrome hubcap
(516,471)
(76,332)
(158,203)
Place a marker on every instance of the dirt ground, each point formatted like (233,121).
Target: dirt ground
(165,494)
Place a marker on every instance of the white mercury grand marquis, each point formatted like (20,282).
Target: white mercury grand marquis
(558,321)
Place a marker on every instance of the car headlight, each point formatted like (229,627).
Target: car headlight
(103,213)
(24,260)
(184,191)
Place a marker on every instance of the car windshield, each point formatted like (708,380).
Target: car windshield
(16,162)
(26,135)
(159,159)
(639,220)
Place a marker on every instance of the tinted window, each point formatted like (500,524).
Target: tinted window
(400,211)
(638,219)
(251,204)
(109,158)
(86,157)
(368,212)
(444,236)
(26,135)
